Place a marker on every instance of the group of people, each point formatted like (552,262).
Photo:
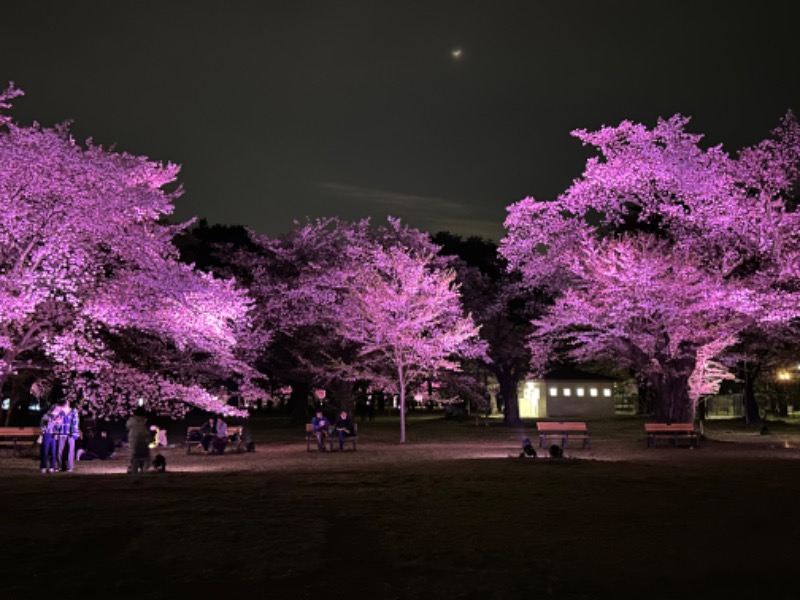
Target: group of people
(215,435)
(62,442)
(322,428)
(96,446)
(60,427)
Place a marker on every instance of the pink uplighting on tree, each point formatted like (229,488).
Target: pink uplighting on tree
(349,301)
(405,314)
(663,253)
(89,277)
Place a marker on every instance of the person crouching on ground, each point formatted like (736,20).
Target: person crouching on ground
(99,447)
(528,451)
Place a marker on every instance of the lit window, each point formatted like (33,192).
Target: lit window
(607,392)
(579,391)
(567,392)
(593,392)
(553,391)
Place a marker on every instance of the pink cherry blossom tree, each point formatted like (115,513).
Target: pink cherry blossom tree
(309,287)
(86,259)
(663,253)
(298,282)
(406,316)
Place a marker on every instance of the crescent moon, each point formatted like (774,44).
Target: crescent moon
(456,53)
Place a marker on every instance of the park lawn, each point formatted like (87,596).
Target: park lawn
(409,525)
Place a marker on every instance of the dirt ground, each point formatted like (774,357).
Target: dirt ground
(293,457)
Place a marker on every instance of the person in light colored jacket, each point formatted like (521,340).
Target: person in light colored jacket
(66,435)
(51,421)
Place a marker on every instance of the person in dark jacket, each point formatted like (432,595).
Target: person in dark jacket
(344,428)
(139,441)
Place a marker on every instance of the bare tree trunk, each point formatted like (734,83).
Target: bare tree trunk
(402,386)
(17,394)
(300,394)
(673,402)
(645,397)
(508,390)
(750,372)
(341,392)
(3,379)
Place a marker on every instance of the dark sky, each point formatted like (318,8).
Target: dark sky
(280,110)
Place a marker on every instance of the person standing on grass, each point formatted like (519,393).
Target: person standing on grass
(138,441)
(51,421)
(344,428)
(66,435)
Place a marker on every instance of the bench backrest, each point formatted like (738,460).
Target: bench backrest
(561,426)
(8,431)
(310,428)
(654,427)
(232,430)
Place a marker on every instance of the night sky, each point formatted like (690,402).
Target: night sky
(285,109)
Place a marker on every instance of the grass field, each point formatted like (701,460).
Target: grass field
(448,515)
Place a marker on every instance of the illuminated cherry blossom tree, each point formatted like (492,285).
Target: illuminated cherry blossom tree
(86,259)
(298,281)
(308,287)
(406,316)
(662,253)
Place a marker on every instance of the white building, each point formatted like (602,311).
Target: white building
(567,394)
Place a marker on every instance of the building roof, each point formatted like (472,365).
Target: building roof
(576,375)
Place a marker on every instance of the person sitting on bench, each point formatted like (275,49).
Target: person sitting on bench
(344,428)
(319,427)
(221,438)
(209,431)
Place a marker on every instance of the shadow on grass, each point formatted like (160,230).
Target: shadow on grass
(407,523)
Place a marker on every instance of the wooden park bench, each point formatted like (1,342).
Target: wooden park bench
(333,438)
(671,432)
(14,436)
(194,440)
(563,431)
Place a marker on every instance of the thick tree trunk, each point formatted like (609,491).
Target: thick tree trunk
(645,398)
(508,391)
(750,372)
(3,380)
(402,385)
(13,395)
(341,394)
(300,394)
(673,404)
